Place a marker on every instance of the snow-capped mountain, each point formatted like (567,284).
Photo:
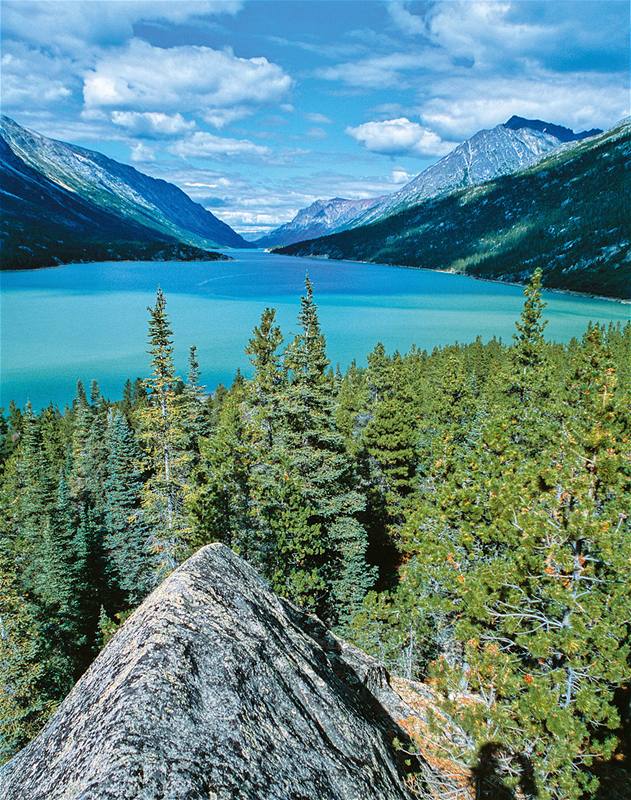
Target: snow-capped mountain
(318,219)
(488,154)
(118,188)
(567,214)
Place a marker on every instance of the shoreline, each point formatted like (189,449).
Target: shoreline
(222,257)
(572,292)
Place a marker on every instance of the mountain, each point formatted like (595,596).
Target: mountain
(44,224)
(216,688)
(516,144)
(320,218)
(488,154)
(41,177)
(558,131)
(568,214)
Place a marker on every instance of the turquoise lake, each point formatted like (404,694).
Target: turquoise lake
(89,320)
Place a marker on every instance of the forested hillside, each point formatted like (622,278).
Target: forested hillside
(461,514)
(567,215)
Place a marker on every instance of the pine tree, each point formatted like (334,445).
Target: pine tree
(391,437)
(164,438)
(129,566)
(530,377)
(518,553)
(25,697)
(194,411)
(320,469)
(220,502)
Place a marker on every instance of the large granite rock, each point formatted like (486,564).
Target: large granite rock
(217,689)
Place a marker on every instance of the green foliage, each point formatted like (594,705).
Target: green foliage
(164,435)
(463,515)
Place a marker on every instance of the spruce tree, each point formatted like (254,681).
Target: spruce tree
(129,567)
(321,470)
(163,434)
(194,411)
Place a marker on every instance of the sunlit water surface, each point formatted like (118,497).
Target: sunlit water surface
(89,320)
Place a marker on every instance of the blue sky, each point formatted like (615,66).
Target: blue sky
(257,108)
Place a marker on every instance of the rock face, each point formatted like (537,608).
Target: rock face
(215,688)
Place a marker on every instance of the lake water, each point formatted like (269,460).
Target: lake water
(89,320)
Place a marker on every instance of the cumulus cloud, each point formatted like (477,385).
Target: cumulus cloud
(485,31)
(206,145)
(462,106)
(400,175)
(399,137)
(31,77)
(71,26)
(152,123)
(141,153)
(141,77)
(404,19)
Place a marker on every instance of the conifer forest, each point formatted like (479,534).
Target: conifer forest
(461,514)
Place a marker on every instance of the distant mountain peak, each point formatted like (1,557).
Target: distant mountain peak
(563,134)
(318,219)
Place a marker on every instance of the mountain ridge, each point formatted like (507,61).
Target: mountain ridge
(489,153)
(321,217)
(567,214)
(63,203)
(559,131)
(119,188)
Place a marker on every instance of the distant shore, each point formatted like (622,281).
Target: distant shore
(622,300)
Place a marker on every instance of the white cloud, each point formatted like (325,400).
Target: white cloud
(214,83)
(319,119)
(462,106)
(220,117)
(70,26)
(152,123)
(398,137)
(400,175)
(404,20)
(140,152)
(34,78)
(485,31)
(206,145)
(379,72)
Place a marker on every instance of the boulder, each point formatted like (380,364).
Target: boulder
(215,688)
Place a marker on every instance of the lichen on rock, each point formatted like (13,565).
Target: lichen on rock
(216,688)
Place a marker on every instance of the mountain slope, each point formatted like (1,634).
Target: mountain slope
(516,144)
(44,224)
(318,219)
(488,154)
(119,189)
(569,215)
(216,688)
